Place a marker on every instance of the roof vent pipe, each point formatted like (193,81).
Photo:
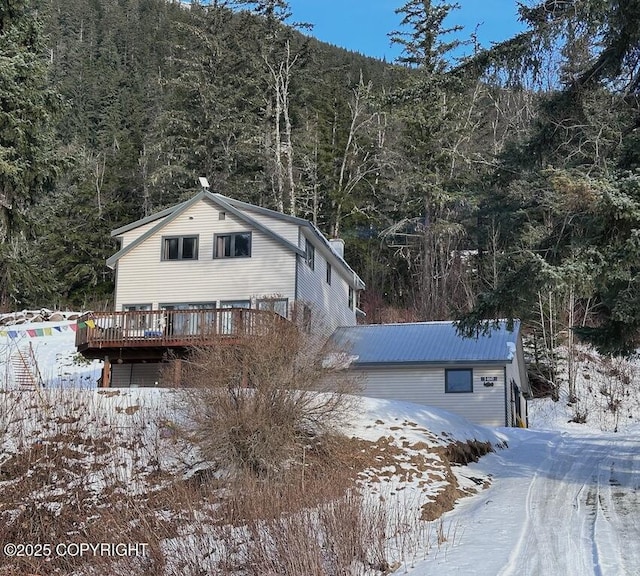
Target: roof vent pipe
(337,245)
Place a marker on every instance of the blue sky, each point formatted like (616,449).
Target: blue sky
(363,25)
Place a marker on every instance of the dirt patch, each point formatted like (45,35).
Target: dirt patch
(465,452)
(129,410)
(455,454)
(109,393)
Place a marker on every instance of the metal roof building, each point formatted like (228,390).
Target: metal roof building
(483,378)
(426,343)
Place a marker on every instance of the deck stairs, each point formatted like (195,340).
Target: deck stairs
(24,365)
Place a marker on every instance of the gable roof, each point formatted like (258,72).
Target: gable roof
(237,208)
(170,214)
(315,232)
(425,343)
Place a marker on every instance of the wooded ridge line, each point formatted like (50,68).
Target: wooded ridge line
(502,186)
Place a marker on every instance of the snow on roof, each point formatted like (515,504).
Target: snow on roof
(426,343)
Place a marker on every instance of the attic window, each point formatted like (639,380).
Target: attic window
(180,248)
(222,215)
(458,380)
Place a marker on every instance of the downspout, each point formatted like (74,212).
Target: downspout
(297,262)
(115,289)
(507,403)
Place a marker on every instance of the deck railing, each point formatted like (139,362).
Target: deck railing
(172,327)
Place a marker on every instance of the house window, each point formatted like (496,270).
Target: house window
(328,273)
(232,321)
(137,320)
(187,319)
(236,245)
(309,254)
(180,248)
(458,380)
(277,305)
(135,307)
(222,215)
(350,298)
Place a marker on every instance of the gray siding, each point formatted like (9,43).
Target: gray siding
(127,375)
(144,277)
(425,385)
(313,289)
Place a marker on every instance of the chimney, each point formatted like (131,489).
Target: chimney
(337,245)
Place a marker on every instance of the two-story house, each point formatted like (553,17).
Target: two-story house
(213,271)
(213,268)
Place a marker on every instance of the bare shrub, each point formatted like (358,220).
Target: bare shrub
(254,404)
(345,536)
(619,376)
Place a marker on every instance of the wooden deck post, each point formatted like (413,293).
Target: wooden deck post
(177,372)
(105,381)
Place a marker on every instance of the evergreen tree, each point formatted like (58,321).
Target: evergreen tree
(554,223)
(429,104)
(27,104)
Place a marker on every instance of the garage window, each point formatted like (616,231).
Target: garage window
(458,380)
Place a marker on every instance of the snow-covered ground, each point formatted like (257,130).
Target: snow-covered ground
(53,345)
(563,498)
(560,503)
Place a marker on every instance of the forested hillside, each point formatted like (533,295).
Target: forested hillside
(504,185)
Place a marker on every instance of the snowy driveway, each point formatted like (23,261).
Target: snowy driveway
(561,503)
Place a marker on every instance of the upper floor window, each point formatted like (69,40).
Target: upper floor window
(180,248)
(351,298)
(328,273)
(309,254)
(234,245)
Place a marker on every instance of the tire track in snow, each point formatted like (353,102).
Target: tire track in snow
(616,528)
(520,549)
(560,504)
(581,501)
(555,527)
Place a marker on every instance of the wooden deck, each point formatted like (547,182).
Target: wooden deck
(150,334)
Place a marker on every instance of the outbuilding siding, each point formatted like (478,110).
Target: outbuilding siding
(426,385)
(408,362)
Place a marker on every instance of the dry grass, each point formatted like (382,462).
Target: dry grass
(84,466)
